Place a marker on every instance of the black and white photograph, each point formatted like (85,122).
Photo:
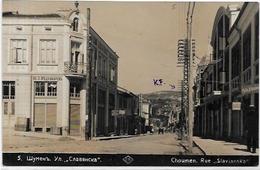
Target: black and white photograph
(130,83)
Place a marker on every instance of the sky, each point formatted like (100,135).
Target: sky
(143,34)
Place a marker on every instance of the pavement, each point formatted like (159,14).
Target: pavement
(48,136)
(220,147)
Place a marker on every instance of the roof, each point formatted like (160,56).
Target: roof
(221,11)
(125,91)
(16,14)
(239,16)
(93,30)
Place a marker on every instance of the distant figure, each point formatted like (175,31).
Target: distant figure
(252,126)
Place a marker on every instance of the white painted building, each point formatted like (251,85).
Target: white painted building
(45,72)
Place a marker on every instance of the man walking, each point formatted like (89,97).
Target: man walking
(252,128)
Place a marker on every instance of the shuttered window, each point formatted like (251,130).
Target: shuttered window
(48,52)
(45,115)
(18,51)
(39,114)
(51,110)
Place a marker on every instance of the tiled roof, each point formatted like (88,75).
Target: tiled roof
(16,14)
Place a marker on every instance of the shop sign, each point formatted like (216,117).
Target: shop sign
(121,112)
(249,89)
(114,112)
(236,105)
(47,78)
(216,93)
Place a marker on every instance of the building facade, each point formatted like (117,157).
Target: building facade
(229,84)
(128,108)
(46,74)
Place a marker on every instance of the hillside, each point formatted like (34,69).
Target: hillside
(163,95)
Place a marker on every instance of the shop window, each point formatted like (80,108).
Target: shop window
(18,53)
(52,89)
(48,52)
(45,88)
(40,88)
(8,88)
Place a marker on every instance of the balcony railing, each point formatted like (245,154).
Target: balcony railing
(74,95)
(8,97)
(235,83)
(71,68)
(247,76)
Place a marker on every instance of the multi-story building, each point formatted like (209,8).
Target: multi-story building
(128,108)
(230,82)
(45,67)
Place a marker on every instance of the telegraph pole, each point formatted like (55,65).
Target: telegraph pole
(190,77)
(89,126)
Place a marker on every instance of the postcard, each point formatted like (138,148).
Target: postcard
(113,83)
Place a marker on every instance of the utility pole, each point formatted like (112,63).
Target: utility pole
(183,60)
(190,77)
(89,126)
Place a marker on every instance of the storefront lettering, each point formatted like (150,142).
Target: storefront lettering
(45,78)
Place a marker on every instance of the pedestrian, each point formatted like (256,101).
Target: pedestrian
(252,128)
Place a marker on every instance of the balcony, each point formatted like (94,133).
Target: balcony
(247,76)
(75,69)
(235,83)
(75,95)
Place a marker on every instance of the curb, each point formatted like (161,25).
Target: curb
(194,143)
(119,137)
(184,146)
(199,148)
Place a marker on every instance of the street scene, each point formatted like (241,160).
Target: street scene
(152,78)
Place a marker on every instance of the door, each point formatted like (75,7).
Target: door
(101,121)
(39,115)
(74,120)
(45,116)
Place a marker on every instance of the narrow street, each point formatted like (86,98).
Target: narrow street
(143,144)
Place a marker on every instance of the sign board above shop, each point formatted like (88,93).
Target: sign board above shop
(216,93)
(118,112)
(114,112)
(236,105)
(121,112)
(47,78)
(249,89)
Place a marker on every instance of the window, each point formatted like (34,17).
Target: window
(39,88)
(247,48)
(104,69)
(95,61)
(257,36)
(112,74)
(18,53)
(75,24)
(48,52)
(99,65)
(75,89)
(226,67)
(45,88)
(8,88)
(235,53)
(52,89)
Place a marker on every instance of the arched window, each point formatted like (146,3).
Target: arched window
(75,24)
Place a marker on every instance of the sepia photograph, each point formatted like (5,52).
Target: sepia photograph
(130,83)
